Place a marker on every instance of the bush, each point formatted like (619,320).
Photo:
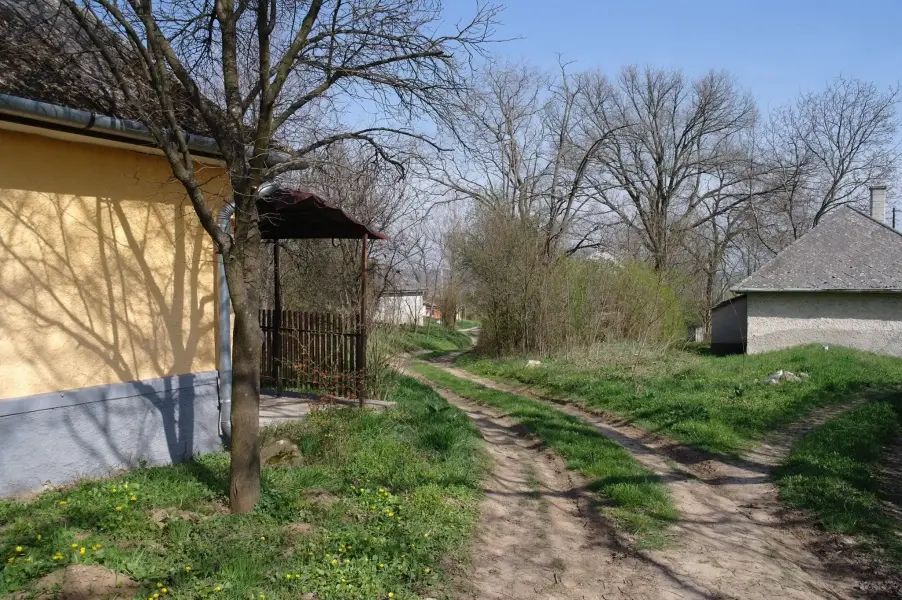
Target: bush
(534,300)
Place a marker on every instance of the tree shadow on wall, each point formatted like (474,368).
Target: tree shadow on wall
(103,289)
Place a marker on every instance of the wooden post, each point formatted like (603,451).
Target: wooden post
(361,337)
(277,321)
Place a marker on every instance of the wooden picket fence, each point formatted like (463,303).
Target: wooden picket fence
(320,352)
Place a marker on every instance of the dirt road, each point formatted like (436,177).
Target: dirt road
(732,539)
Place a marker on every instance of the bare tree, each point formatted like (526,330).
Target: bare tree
(829,147)
(521,155)
(676,146)
(268,82)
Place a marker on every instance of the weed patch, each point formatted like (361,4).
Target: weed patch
(402,487)
(714,403)
(435,339)
(832,473)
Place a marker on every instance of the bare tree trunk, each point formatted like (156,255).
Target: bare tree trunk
(245,449)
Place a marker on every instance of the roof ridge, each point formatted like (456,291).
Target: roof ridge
(842,252)
(867,216)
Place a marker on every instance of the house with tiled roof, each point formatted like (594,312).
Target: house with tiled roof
(839,284)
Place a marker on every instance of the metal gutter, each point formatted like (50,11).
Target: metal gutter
(81,121)
(91,124)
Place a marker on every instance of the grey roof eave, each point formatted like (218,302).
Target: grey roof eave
(740,290)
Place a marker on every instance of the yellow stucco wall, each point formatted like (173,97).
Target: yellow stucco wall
(105,273)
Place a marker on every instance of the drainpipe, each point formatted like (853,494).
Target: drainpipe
(224,320)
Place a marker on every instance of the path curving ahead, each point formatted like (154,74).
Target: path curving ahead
(731,540)
(540,536)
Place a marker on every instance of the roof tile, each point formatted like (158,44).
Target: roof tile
(847,251)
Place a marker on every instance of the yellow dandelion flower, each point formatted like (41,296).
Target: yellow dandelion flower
(287,575)
(112,490)
(334,562)
(296,576)
(63,502)
(343,580)
(391,594)
(28,559)
(125,487)
(159,585)
(426,534)
(427,570)
(381,565)
(164,591)
(187,569)
(19,548)
(118,508)
(156,596)
(262,596)
(217,589)
(310,554)
(262,538)
(82,551)
(133,498)
(11,560)
(74,545)
(38,537)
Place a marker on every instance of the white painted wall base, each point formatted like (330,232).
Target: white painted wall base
(866,321)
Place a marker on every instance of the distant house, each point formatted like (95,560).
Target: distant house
(431,310)
(401,307)
(840,283)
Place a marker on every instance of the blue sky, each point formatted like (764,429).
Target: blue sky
(774,48)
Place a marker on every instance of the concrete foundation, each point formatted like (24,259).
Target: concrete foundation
(52,439)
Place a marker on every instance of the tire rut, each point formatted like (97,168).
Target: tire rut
(732,539)
(540,535)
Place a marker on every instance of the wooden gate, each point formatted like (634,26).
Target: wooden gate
(313,352)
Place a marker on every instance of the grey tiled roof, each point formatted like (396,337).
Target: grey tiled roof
(847,251)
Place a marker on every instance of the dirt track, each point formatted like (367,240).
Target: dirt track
(732,540)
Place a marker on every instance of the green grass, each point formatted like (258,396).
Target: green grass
(714,403)
(467,324)
(425,455)
(833,471)
(434,338)
(630,493)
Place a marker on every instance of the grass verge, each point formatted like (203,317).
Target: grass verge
(630,493)
(434,338)
(467,324)
(718,404)
(381,501)
(833,473)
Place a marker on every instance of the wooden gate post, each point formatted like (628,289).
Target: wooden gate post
(361,337)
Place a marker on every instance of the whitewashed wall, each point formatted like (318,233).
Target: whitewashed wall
(865,321)
(404,309)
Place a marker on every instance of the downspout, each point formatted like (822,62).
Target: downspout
(224,321)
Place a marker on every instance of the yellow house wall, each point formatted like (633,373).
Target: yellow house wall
(105,273)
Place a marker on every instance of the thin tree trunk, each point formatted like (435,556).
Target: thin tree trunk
(244,490)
